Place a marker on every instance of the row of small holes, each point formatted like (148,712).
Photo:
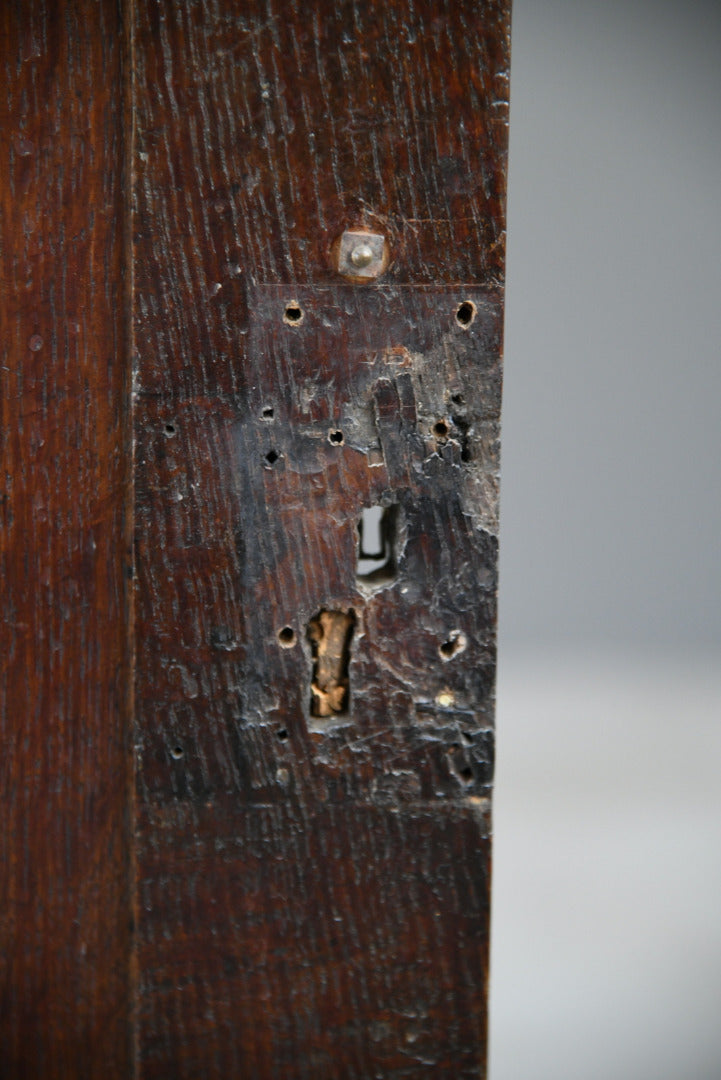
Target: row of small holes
(177,752)
(336,438)
(286,639)
(465,314)
(448,649)
(294,315)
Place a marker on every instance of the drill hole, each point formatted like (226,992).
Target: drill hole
(466,314)
(286,637)
(177,752)
(336,438)
(282,735)
(293,314)
(272,456)
(441,429)
(268,413)
(457,643)
(170,430)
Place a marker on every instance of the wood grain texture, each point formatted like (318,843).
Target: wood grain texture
(64,675)
(313,890)
(313,894)
(312,879)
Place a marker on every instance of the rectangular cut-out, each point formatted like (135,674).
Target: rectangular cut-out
(377,536)
(372,542)
(330,635)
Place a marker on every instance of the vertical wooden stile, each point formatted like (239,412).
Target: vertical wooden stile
(316,747)
(65,927)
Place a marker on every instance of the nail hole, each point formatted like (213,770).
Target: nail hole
(293,314)
(177,752)
(457,642)
(335,437)
(286,637)
(466,313)
(282,735)
(268,413)
(458,399)
(466,774)
(467,736)
(441,429)
(170,429)
(272,456)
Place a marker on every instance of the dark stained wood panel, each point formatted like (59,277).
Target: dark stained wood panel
(65,900)
(338,941)
(313,879)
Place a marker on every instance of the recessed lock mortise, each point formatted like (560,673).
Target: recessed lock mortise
(330,634)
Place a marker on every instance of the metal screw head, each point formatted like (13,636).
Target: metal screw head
(361,255)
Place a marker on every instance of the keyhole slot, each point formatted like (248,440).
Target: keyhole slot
(376,544)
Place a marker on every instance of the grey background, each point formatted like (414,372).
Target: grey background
(611,500)
(606,943)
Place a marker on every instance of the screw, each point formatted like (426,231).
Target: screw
(361,255)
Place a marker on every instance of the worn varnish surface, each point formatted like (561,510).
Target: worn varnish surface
(296,884)
(64,670)
(313,882)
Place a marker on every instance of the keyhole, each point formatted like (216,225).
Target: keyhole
(376,544)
